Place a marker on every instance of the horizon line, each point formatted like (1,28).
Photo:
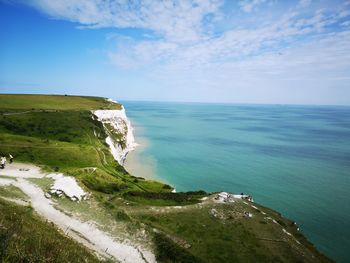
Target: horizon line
(179,101)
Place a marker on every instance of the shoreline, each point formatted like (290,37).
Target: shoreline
(134,163)
(142,165)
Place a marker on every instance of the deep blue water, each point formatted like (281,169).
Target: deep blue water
(295,159)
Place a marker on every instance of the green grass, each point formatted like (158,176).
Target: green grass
(65,141)
(7,177)
(169,251)
(230,237)
(9,102)
(164,198)
(24,237)
(11,191)
(101,181)
(44,183)
(63,126)
(121,216)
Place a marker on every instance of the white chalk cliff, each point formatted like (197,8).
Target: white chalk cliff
(121,125)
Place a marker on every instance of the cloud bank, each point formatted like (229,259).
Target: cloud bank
(223,47)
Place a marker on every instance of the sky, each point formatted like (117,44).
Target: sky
(234,51)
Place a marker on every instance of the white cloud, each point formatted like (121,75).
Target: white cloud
(308,70)
(249,5)
(175,20)
(183,47)
(231,45)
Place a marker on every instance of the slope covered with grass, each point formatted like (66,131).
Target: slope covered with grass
(24,237)
(58,133)
(65,138)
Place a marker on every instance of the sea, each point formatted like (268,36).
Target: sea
(294,159)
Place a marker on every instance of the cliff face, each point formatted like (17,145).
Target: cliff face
(119,130)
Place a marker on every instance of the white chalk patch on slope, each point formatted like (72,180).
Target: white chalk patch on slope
(68,185)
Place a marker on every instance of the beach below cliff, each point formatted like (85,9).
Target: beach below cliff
(138,162)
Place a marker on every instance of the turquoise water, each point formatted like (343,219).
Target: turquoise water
(295,159)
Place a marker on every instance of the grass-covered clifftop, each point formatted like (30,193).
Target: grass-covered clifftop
(59,134)
(62,136)
(57,102)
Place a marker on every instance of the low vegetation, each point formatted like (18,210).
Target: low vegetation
(164,198)
(24,237)
(17,102)
(59,134)
(10,191)
(211,232)
(65,139)
(169,251)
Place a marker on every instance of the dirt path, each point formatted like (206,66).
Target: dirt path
(28,111)
(18,113)
(84,232)
(41,147)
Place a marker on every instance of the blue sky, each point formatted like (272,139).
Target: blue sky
(248,51)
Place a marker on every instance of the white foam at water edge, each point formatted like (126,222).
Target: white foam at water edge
(121,123)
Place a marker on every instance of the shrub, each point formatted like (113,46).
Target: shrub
(108,205)
(101,184)
(179,198)
(281,222)
(121,216)
(65,139)
(168,251)
(121,169)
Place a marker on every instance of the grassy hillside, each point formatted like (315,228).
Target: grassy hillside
(48,102)
(65,139)
(58,133)
(24,237)
(213,232)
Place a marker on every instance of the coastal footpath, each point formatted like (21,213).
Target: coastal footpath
(68,198)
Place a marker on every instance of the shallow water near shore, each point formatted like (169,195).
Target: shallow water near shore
(139,164)
(294,159)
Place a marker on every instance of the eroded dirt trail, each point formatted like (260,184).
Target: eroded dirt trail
(84,232)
